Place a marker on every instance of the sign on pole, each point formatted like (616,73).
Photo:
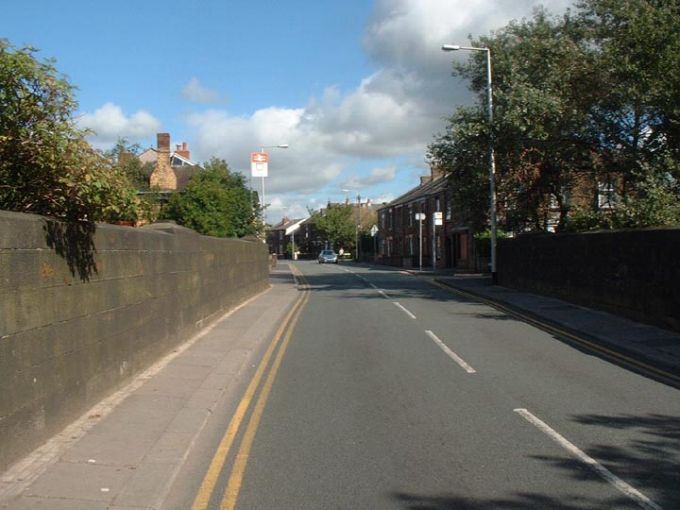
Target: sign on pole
(438,219)
(258,164)
(374,230)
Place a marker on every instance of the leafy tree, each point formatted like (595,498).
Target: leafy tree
(46,166)
(638,116)
(125,156)
(216,202)
(336,224)
(587,97)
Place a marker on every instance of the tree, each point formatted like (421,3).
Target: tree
(46,166)
(336,224)
(586,98)
(125,156)
(216,202)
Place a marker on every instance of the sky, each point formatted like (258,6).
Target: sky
(356,88)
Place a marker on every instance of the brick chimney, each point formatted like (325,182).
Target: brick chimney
(163,176)
(183,150)
(436,171)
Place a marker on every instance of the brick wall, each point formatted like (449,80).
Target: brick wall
(76,326)
(635,274)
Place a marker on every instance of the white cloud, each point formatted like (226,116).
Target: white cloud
(109,123)
(394,112)
(375,176)
(197,93)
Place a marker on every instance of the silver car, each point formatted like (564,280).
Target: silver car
(328,257)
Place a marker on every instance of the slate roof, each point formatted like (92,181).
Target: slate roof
(423,191)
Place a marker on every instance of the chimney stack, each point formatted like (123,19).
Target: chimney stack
(163,142)
(183,150)
(163,176)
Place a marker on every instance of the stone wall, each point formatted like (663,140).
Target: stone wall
(634,273)
(82,312)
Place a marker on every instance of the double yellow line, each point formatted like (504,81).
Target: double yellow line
(285,331)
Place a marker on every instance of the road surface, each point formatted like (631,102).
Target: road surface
(383,391)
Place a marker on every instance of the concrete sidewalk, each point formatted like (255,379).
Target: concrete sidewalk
(655,347)
(126,452)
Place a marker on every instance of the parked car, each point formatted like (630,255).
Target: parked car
(328,257)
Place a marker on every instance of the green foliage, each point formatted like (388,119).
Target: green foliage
(577,98)
(125,156)
(46,167)
(216,202)
(483,241)
(336,225)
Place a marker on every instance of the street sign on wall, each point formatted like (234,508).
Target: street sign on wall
(258,164)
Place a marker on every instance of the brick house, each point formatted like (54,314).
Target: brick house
(399,238)
(279,236)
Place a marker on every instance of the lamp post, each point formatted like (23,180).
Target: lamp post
(264,202)
(492,159)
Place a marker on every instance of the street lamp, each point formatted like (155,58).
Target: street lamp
(264,202)
(492,159)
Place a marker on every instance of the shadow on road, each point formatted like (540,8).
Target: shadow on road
(649,462)
(520,501)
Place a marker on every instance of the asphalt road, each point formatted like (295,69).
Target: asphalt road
(385,391)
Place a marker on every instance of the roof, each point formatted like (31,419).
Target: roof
(419,192)
(184,174)
(150,155)
(287,223)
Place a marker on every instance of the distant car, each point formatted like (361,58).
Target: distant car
(328,257)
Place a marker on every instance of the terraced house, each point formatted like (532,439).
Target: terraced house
(447,246)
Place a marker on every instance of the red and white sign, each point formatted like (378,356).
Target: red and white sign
(258,164)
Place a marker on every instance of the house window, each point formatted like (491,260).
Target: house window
(410,215)
(448,209)
(437,205)
(606,195)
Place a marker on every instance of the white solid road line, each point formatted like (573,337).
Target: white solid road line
(450,353)
(404,310)
(642,500)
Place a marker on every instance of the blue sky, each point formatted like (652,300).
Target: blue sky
(357,88)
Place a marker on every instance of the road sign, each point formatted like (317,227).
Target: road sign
(374,230)
(438,218)
(258,164)
(420,216)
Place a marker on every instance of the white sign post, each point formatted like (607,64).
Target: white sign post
(420,217)
(259,168)
(437,220)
